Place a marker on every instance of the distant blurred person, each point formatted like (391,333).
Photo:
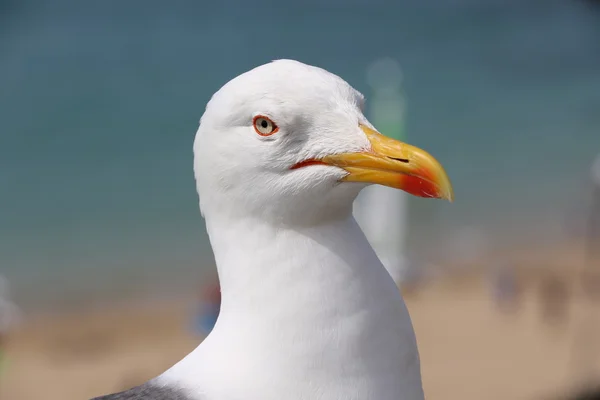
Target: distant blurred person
(591,273)
(210,306)
(554,297)
(594,218)
(8,320)
(504,287)
(585,345)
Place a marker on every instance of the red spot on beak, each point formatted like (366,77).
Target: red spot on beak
(418,186)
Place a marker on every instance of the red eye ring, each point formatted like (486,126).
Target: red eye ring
(264,126)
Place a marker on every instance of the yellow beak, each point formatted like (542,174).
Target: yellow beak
(395,164)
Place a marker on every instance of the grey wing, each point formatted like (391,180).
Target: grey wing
(147,391)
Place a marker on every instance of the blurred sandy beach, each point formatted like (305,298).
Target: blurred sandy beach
(469,348)
(101,102)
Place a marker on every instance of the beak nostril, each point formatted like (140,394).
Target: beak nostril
(403,160)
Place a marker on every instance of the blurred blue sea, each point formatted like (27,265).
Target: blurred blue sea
(100,102)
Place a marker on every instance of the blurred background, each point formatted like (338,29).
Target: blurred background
(108,276)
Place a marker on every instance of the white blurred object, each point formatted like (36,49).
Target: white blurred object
(382,212)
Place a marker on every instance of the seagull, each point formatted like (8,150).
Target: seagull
(308,311)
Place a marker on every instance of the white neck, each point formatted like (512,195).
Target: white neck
(306,313)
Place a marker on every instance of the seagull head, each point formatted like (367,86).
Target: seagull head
(289,142)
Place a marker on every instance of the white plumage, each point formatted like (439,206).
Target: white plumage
(308,310)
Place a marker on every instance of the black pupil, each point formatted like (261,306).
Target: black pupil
(264,123)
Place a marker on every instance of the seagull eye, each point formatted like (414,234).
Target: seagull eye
(264,126)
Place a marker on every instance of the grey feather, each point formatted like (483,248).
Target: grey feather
(147,391)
